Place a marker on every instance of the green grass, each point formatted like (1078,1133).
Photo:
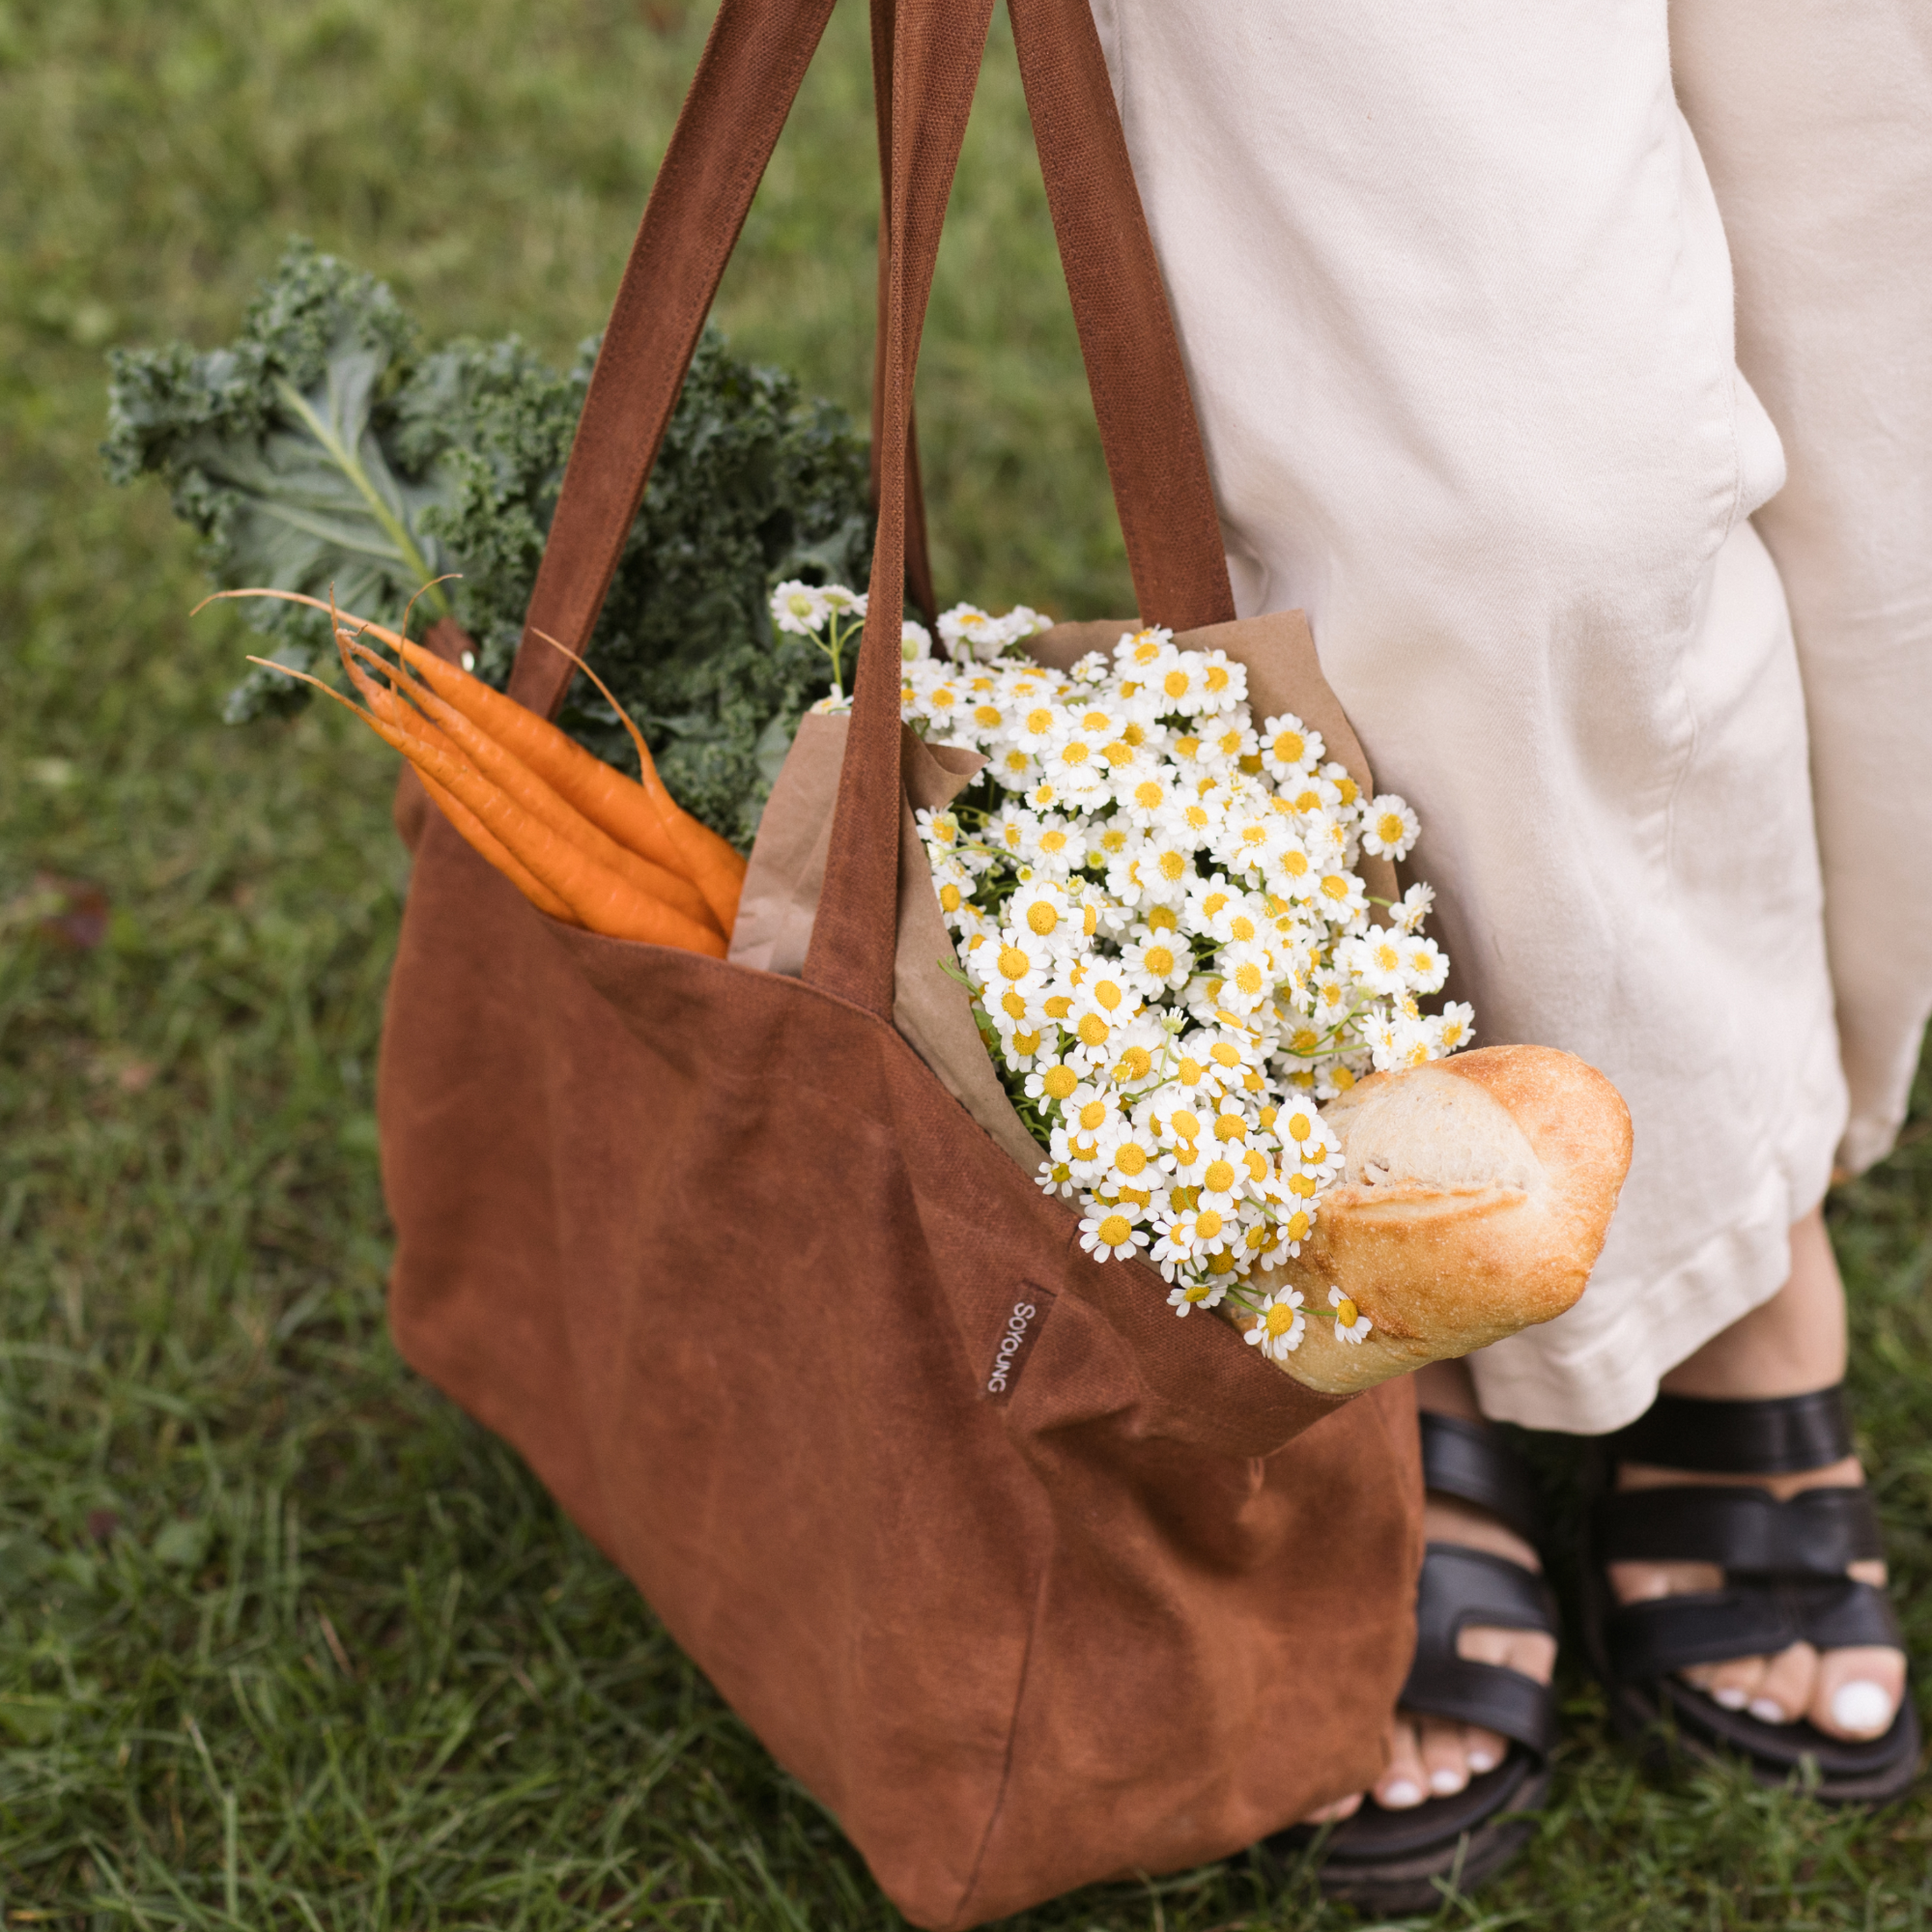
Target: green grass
(285,1642)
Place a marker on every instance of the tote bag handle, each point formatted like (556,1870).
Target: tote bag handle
(753,65)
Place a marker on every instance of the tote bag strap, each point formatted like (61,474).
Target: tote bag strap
(750,73)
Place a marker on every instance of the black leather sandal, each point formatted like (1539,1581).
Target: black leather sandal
(1784,1582)
(1391,1861)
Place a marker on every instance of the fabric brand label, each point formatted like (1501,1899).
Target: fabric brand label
(1024,1318)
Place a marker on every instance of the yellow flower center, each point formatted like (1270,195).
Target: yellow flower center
(1389,829)
(1223,1054)
(1026,1042)
(1208,1224)
(1334,887)
(1302,1184)
(1216,677)
(1042,916)
(1231,1128)
(1059,1081)
(1190,1073)
(1053,842)
(1092,1030)
(1250,978)
(1163,919)
(1118,753)
(1059,1006)
(1013,963)
(986,716)
(1107,994)
(1184,1124)
(1294,864)
(1296,1226)
(1288,746)
(1176,683)
(1219,1177)
(1256,1162)
(1280,1318)
(1148,795)
(1159,960)
(1188,748)
(1131,1158)
(1014,1005)
(1345,1312)
(1135,1064)
(1039,722)
(1116,1229)
(951,898)
(1173,865)
(1093,1115)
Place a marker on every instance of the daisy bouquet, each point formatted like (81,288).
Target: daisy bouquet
(1171,956)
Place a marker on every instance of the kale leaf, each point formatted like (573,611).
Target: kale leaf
(325,448)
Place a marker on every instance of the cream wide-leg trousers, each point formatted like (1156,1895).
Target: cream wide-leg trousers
(1633,602)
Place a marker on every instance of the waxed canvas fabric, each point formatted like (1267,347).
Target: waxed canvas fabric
(1029,1582)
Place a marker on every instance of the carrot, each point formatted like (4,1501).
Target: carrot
(642,817)
(488,846)
(600,899)
(713,865)
(517,780)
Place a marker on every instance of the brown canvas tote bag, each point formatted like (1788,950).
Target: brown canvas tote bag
(1030,1583)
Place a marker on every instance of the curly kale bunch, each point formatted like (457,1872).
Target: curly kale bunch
(325,448)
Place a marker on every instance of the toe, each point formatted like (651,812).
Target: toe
(1785,1693)
(1446,1756)
(1404,1782)
(1335,1813)
(1733,1683)
(1858,1692)
(1484,1749)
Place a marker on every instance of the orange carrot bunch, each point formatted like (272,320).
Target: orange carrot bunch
(579,839)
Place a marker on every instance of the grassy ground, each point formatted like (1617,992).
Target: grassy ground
(285,1640)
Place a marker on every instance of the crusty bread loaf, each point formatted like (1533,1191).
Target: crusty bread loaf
(1475,1199)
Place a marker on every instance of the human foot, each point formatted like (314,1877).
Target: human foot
(1851,1691)
(1430,1755)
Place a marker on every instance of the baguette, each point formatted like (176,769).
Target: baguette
(1473,1203)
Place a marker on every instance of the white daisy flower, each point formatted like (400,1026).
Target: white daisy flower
(1290,750)
(1279,1324)
(968,633)
(1021,623)
(1188,1296)
(800,609)
(1111,1235)
(914,641)
(1389,829)
(1155,962)
(1143,795)
(1342,898)
(1052,1082)
(1139,651)
(1454,1026)
(1425,966)
(1043,908)
(1022,962)
(1350,1324)
(1414,907)
(1055,1177)
(1224,684)
(1377,958)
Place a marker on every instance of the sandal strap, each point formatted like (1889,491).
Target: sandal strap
(1459,1587)
(1772,1436)
(1744,1531)
(1663,1635)
(1472,1463)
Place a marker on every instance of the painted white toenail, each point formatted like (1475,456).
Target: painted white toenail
(1730,1698)
(1481,1761)
(1444,1783)
(1401,1794)
(1861,1706)
(1767,1711)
